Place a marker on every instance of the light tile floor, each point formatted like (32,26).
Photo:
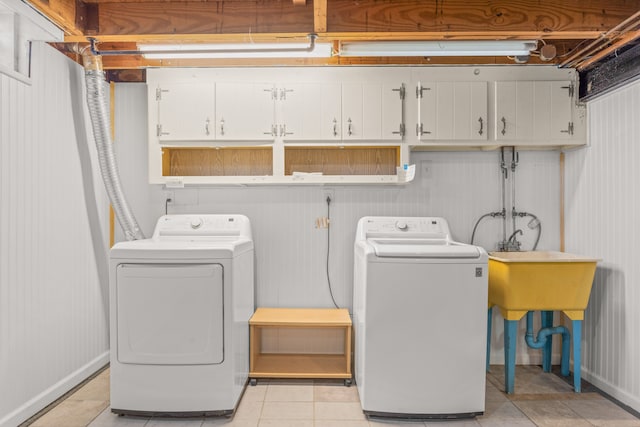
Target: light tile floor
(540,399)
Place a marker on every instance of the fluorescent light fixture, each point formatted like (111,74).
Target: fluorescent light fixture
(236,50)
(439,48)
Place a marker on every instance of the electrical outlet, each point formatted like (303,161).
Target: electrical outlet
(328,192)
(169,194)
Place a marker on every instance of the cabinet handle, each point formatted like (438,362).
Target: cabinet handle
(481,126)
(335,127)
(206,127)
(349,127)
(419,130)
(569,129)
(504,125)
(221,127)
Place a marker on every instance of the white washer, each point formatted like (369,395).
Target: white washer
(180,306)
(420,319)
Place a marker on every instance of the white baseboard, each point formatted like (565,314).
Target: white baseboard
(622,396)
(31,407)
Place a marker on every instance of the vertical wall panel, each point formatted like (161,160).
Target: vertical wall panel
(53,316)
(601,221)
(291,253)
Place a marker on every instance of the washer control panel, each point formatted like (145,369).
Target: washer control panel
(414,227)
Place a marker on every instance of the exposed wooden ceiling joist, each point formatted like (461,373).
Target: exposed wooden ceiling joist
(118,23)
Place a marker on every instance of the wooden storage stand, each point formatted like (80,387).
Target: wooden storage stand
(288,365)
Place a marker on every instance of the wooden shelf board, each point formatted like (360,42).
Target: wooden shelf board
(300,317)
(300,366)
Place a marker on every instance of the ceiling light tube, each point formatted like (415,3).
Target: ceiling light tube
(439,48)
(238,50)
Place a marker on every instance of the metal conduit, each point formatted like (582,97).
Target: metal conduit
(581,56)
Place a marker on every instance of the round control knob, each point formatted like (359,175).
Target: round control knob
(402,225)
(196,223)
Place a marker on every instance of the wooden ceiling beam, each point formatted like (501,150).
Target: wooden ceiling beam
(193,17)
(319,16)
(115,23)
(69,15)
(138,62)
(367,16)
(473,15)
(329,37)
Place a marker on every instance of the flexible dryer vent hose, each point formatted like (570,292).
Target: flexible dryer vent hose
(99,113)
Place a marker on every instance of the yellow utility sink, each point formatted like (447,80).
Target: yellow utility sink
(540,280)
(546,281)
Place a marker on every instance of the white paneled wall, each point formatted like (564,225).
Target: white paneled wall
(53,275)
(291,251)
(603,202)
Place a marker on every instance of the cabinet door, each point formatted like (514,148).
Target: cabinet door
(562,102)
(392,111)
(470,111)
(372,111)
(534,110)
(245,111)
(452,111)
(309,111)
(185,112)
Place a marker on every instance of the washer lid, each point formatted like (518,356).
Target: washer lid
(422,248)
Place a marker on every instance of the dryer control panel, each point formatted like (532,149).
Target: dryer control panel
(202,225)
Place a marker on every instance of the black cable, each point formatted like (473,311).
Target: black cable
(328,249)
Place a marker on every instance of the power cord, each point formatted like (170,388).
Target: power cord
(328,249)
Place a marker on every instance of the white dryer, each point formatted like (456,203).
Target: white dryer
(180,304)
(420,320)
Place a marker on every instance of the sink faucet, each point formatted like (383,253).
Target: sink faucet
(512,238)
(512,243)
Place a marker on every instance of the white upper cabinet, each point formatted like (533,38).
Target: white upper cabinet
(534,110)
(185,112)
(309,111)
(372,111)
(452,110)
(245,111)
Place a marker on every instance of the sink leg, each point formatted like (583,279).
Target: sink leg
(510,334)
(577,354)
(489,324)
(546,321)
